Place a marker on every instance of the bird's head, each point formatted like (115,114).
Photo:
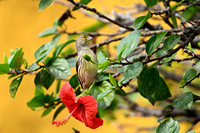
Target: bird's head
(83,41)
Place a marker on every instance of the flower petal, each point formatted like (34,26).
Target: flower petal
(83,108)
(94,123)
(67,94)
(87,108)
(90,105)
(78,114)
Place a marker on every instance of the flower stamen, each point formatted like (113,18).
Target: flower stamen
(62,122)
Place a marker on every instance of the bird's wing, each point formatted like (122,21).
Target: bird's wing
(78,73)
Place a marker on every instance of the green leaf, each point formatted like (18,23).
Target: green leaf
(151,3)
(123,81)
(74,81)
(38,91)
(103,76)
(75,130)
(11,76)
(14,85)
(49,99)
(72,61)
(41,53)
(5,59)
(101,112)
(174,7)
(41,100)
(59,67)
(62,46)
(189,47)
(173,18)
(120,54)
(182,82)
(102,56)
(25,63)
(168,126)
(48,32)
(13,60)
(19,61)
(190,12)
(69,50)
(104,53)
(153,42)
(163,91)
(55,24)
(56,39)
(140,21)
(47,111)
(87,57)
(152,86)
(58,111)
(44,3)
(104,65)
(33,67)
(160,119)
(37,101)
(4,68)
(184,102)
(51,31)
(132,71)
(112,80)
(84,2)
(78,91)
(171,41)
(120,91)
(130,42)
(43,78)
(58,84)
(106,98)
(104,93)
(163,52)
(189,74)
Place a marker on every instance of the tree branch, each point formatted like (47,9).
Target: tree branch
(100,15)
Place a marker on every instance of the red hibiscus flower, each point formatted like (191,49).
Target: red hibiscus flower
(82,108)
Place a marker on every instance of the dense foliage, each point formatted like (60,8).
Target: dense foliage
(148,55)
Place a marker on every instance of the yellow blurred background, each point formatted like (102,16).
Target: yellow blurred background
(20,24)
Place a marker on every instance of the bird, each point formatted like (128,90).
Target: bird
(86,69)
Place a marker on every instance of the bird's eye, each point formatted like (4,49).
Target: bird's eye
(84,37)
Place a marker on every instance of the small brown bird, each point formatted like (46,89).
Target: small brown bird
(86,70)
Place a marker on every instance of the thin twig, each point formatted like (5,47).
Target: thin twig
(94,33)
(100,15)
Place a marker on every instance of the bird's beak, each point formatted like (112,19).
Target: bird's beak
(89,38)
